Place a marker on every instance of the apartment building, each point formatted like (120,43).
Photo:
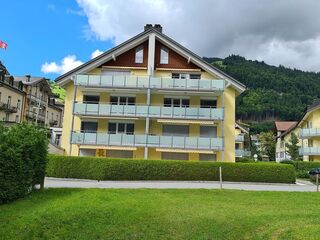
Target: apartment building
(281,129)
(11,97)
(150,98)
(242,145)
(54,114)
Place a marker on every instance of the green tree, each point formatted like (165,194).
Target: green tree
(268,144)
(292,146)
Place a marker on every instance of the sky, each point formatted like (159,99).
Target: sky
(50,37)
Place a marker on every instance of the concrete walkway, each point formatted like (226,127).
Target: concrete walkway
(300,186)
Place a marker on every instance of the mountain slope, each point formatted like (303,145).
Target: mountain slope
(274,93)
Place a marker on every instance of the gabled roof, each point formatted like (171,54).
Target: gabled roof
(284,125)
(138,39)
(28,80)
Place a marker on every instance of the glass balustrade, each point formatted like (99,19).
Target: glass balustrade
(309,132)
(149,82)
(102,109)
(105,139)
(242,153)
(240,138)
(309,151)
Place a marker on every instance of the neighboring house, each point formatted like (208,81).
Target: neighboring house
(281,128)
(54,114)
(150,98)
(242,146)
(11,97)
(37,91)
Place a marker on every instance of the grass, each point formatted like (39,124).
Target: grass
(161,214)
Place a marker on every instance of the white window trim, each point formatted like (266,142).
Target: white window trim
(117,126)
(126,96)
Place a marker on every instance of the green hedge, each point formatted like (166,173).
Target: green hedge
(125,169)
(23,156)
(302,168)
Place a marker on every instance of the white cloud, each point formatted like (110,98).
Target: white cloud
(96,53)
(270,30)
(68,63)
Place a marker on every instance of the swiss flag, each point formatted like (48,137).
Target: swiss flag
(3,45)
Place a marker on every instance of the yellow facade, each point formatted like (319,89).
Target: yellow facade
(189,134)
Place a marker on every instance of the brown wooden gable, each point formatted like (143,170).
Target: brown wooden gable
(127,59)
(176,61)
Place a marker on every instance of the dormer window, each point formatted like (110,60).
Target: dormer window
(139,55)
(164,55)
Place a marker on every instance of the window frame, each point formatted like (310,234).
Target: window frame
(139,51)
(164,55)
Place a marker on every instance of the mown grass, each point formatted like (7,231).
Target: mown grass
(161,214)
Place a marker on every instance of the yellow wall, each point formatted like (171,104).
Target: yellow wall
(15,96)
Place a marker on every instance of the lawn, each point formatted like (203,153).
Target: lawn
(161,214)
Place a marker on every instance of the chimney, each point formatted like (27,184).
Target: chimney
(158,27)
(28,78)
(147,27)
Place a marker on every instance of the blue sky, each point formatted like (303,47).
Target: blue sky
(39,31)
(50,37)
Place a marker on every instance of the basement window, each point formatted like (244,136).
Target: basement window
(164,55)
(139,55)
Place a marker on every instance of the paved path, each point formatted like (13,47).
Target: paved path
(301,186)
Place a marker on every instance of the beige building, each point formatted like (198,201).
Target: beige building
(282,128)
(54,114)
(242,145)
(11,97)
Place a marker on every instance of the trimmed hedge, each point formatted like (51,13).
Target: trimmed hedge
(302,168)
(127,169)
(23,158)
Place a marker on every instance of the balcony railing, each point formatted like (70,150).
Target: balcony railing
(102,109)
(242,153)
(240,138)
(309,132)
(8,108)
(149,82)
(309,151)
(105,139)
(35,98)
(33,115)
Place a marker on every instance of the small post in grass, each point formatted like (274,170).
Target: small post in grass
(220,176)
(317,182)
(315,172)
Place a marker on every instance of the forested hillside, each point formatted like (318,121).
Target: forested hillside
(274,93)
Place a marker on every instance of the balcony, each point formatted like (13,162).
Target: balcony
(141,111)
(176,142)
(146,82)
(242,153)
(8,108)
(309,132)
(240,138)
(33,115)
(37,99)
(307,151)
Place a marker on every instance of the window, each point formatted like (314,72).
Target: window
(237,146)
(18,104)
(17,118)
(47,114)
(175,130)
(119,154)
(124,128)
(51,116)
(176,102)
(310,143)
(164,55)
(9,100)
(208,103)
(186,76)
(89,126)
(7,117)
(118,100)
(174,156)
(91,99)
(0,96)
(207,157)
(139,55)
(208,131)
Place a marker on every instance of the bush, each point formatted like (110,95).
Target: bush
(23,151)
(245,160)
(125,169)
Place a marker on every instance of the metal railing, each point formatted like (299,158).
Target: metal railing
(33,115)
(107,109)
(309,151)
(309,132)
(242,153)
(114,81)
(178,142)
(35,98)
(8,108)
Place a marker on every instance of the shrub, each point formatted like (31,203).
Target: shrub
(245,160)
(23,150)
(125,169)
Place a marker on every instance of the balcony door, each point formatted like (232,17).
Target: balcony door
(208,131)
(121,128)
(175,130)
(87,126)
